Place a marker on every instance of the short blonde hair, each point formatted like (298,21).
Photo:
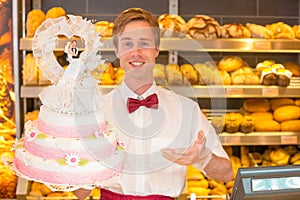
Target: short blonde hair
(134,14)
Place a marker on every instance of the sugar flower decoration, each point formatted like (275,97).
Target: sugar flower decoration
(72,159)
(31,134)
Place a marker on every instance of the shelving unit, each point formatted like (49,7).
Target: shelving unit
(215,91)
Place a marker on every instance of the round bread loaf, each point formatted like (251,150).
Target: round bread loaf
(230,63)
(277,102)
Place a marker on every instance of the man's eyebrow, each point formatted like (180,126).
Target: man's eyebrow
(126,38)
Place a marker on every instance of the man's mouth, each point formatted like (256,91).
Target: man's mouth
(136,63)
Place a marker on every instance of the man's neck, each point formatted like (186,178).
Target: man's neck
(138,87)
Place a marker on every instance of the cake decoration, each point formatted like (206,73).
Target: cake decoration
(70,145)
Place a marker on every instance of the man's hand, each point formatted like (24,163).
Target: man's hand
(190,155)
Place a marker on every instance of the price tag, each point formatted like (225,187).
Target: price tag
(270,92)
(234,91)
(232,140)
(289,139)
(264,45)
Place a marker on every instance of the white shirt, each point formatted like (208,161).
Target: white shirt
(145,132)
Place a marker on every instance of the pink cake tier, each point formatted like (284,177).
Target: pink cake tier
(67,163)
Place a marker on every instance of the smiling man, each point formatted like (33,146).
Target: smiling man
(162,132)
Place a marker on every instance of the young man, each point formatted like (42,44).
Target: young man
(162,132)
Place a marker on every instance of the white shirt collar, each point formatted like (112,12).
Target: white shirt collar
(127,92)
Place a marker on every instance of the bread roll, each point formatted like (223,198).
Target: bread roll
(256,105)
(275,103)
(295,157)
(30,70)
(235,31)
(285,113)
(104,28)
(266,126)
(33,21)
(174,76)
(159,74)
(293,67)
(55,12)
(189,73)
(172,25)
(259,31)
(279,157)
(297,102)
(290,125)
(247,125)
(230,63)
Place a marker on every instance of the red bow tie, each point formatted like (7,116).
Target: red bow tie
(150,102)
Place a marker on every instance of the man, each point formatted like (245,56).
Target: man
(162,132)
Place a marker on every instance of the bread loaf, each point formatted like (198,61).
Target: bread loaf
(259,116)
(230,63)
(290,125)
(267,126)
(256,105)
(172,25)
(275,103)
(285,113)
(104,28)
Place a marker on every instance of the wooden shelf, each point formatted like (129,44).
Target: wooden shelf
(209,45)
(199,91)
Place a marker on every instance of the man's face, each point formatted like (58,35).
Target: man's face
(136,49)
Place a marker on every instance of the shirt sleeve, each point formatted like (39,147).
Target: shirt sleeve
(212,139)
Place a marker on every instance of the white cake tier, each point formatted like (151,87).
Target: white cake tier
(71,100)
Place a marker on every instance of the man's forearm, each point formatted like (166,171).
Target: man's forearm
(219,168)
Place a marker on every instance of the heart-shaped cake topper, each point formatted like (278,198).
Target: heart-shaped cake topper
(46,36)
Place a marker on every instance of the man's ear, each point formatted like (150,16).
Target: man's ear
(157,51)
(116,52)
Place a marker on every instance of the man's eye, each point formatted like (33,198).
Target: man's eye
(127,44)
(144,44)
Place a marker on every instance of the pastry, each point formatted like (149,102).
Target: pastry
(203,27)
(281,30)
(279,157)
(230,63)
(104,28)
(295,157)
(285,113)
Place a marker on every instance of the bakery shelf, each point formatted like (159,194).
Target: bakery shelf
(199,91)
(260,138)
(209,45)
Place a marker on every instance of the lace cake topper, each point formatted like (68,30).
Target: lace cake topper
(45,39)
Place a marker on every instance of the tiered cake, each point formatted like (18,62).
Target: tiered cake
(71,145)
